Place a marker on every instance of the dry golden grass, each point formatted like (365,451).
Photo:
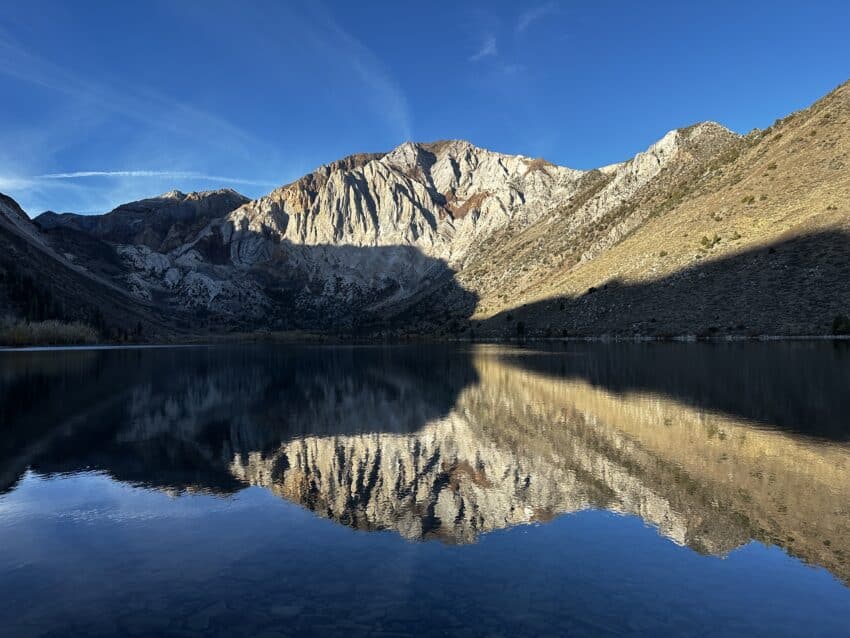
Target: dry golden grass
(791,180)
(792,199)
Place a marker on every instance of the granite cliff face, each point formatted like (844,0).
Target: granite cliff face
(436,197)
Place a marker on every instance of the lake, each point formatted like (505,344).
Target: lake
(578,489)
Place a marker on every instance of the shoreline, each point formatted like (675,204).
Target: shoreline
(318,339)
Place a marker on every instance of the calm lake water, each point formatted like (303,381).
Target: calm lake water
(584,489)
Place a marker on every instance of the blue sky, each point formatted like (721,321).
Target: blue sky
(106,102)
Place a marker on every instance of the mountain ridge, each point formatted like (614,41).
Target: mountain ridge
(446,238)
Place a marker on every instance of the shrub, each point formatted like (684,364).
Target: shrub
(45,333)
(841,325)
(710,243)
(663,253)
(520,329)
(771,166)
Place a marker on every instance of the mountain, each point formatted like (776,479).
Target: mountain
(705,232)
(37,282)
(160,223)
(756,242)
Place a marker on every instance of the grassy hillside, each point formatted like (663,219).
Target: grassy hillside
(756,241)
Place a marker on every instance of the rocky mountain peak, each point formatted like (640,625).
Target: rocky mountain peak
(410,158)
(176,197)
(705,139)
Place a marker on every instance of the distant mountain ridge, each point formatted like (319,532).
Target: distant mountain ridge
(37,282)
(160,223)
(448,238)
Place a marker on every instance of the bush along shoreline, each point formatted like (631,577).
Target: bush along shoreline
(19,332)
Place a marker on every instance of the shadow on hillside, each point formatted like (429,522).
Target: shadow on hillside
(38,286)
(310,287)
(799,387)
(338,288)
(795,286)
(176,417)
(342,288)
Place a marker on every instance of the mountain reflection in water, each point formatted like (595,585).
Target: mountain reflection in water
(714,445)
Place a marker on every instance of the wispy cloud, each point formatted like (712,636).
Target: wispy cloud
(11,183)
(161,126)
(488,48)
(532,15)
(87,190)
(139,103)
(96,116)
(382,91)
(33,194)
(158,174)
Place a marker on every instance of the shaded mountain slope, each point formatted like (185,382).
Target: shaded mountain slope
(793,287)
(160,223)
(37,283)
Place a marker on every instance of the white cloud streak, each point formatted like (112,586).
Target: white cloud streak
(138,103)
(529,17)
(488,48)
(158,174)
(384,94)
